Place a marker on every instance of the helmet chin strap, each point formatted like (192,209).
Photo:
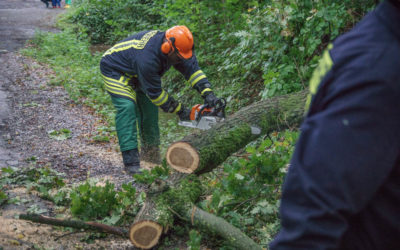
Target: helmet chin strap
(175,50)
(173,56)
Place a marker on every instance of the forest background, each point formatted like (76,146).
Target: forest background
(249,50)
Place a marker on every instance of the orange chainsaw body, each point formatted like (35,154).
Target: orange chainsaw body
(203,117)
(199,110)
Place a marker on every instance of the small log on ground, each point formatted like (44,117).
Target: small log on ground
(146,231)
(203,151)
(78,224)
(212,223)
(161,206)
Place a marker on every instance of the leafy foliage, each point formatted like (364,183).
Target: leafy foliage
(102,202)
(149,176)
(60,135)
(89,201)
(42,179)
(194,242)
(247,193)
(3,196)
(97,19)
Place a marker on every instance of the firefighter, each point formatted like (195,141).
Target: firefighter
(132,71)
(342,190)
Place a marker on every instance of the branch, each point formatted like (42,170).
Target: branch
(90,225)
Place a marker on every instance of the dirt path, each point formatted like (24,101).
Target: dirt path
(20,18)
(30,107)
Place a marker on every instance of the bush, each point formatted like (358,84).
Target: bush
(109,21)
(248,49)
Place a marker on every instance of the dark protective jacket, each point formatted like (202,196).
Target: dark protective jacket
(342,190)
(140,56)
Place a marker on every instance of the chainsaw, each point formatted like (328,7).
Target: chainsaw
(203,117)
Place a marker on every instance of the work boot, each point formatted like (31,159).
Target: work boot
(150,154)
(131,161)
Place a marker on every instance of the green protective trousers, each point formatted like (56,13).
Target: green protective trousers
(130,115)
(68,2)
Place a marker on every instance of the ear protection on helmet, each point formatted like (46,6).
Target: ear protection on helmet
(167,46)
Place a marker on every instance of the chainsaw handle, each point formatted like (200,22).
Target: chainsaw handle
(221,104)
(218,110)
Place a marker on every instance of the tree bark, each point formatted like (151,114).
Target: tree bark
(203,151)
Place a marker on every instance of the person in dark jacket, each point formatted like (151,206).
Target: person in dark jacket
(132,71)
(342,190)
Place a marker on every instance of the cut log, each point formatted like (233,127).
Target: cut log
(145,234)
(146,231)
(163,203)
(203,151)
(183,157)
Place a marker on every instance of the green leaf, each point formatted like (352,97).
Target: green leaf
(3,197)
(59,135)
(239,176)
(8,170)
(113,219)
(36,209)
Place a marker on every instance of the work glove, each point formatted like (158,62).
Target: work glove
(184,114)
(211,100)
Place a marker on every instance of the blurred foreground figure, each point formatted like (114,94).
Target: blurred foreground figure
(342,190)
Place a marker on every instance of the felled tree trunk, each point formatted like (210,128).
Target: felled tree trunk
(162,207)
(201,152)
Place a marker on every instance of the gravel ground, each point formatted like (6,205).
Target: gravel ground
(35,108)
(30,107)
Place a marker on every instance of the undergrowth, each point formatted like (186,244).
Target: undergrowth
(91,200)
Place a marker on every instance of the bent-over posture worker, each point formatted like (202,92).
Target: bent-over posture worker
(132,71)
(342,190)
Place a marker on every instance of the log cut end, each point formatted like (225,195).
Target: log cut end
(145,234)
(182,157)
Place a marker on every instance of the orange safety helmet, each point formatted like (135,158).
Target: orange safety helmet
(178,39)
